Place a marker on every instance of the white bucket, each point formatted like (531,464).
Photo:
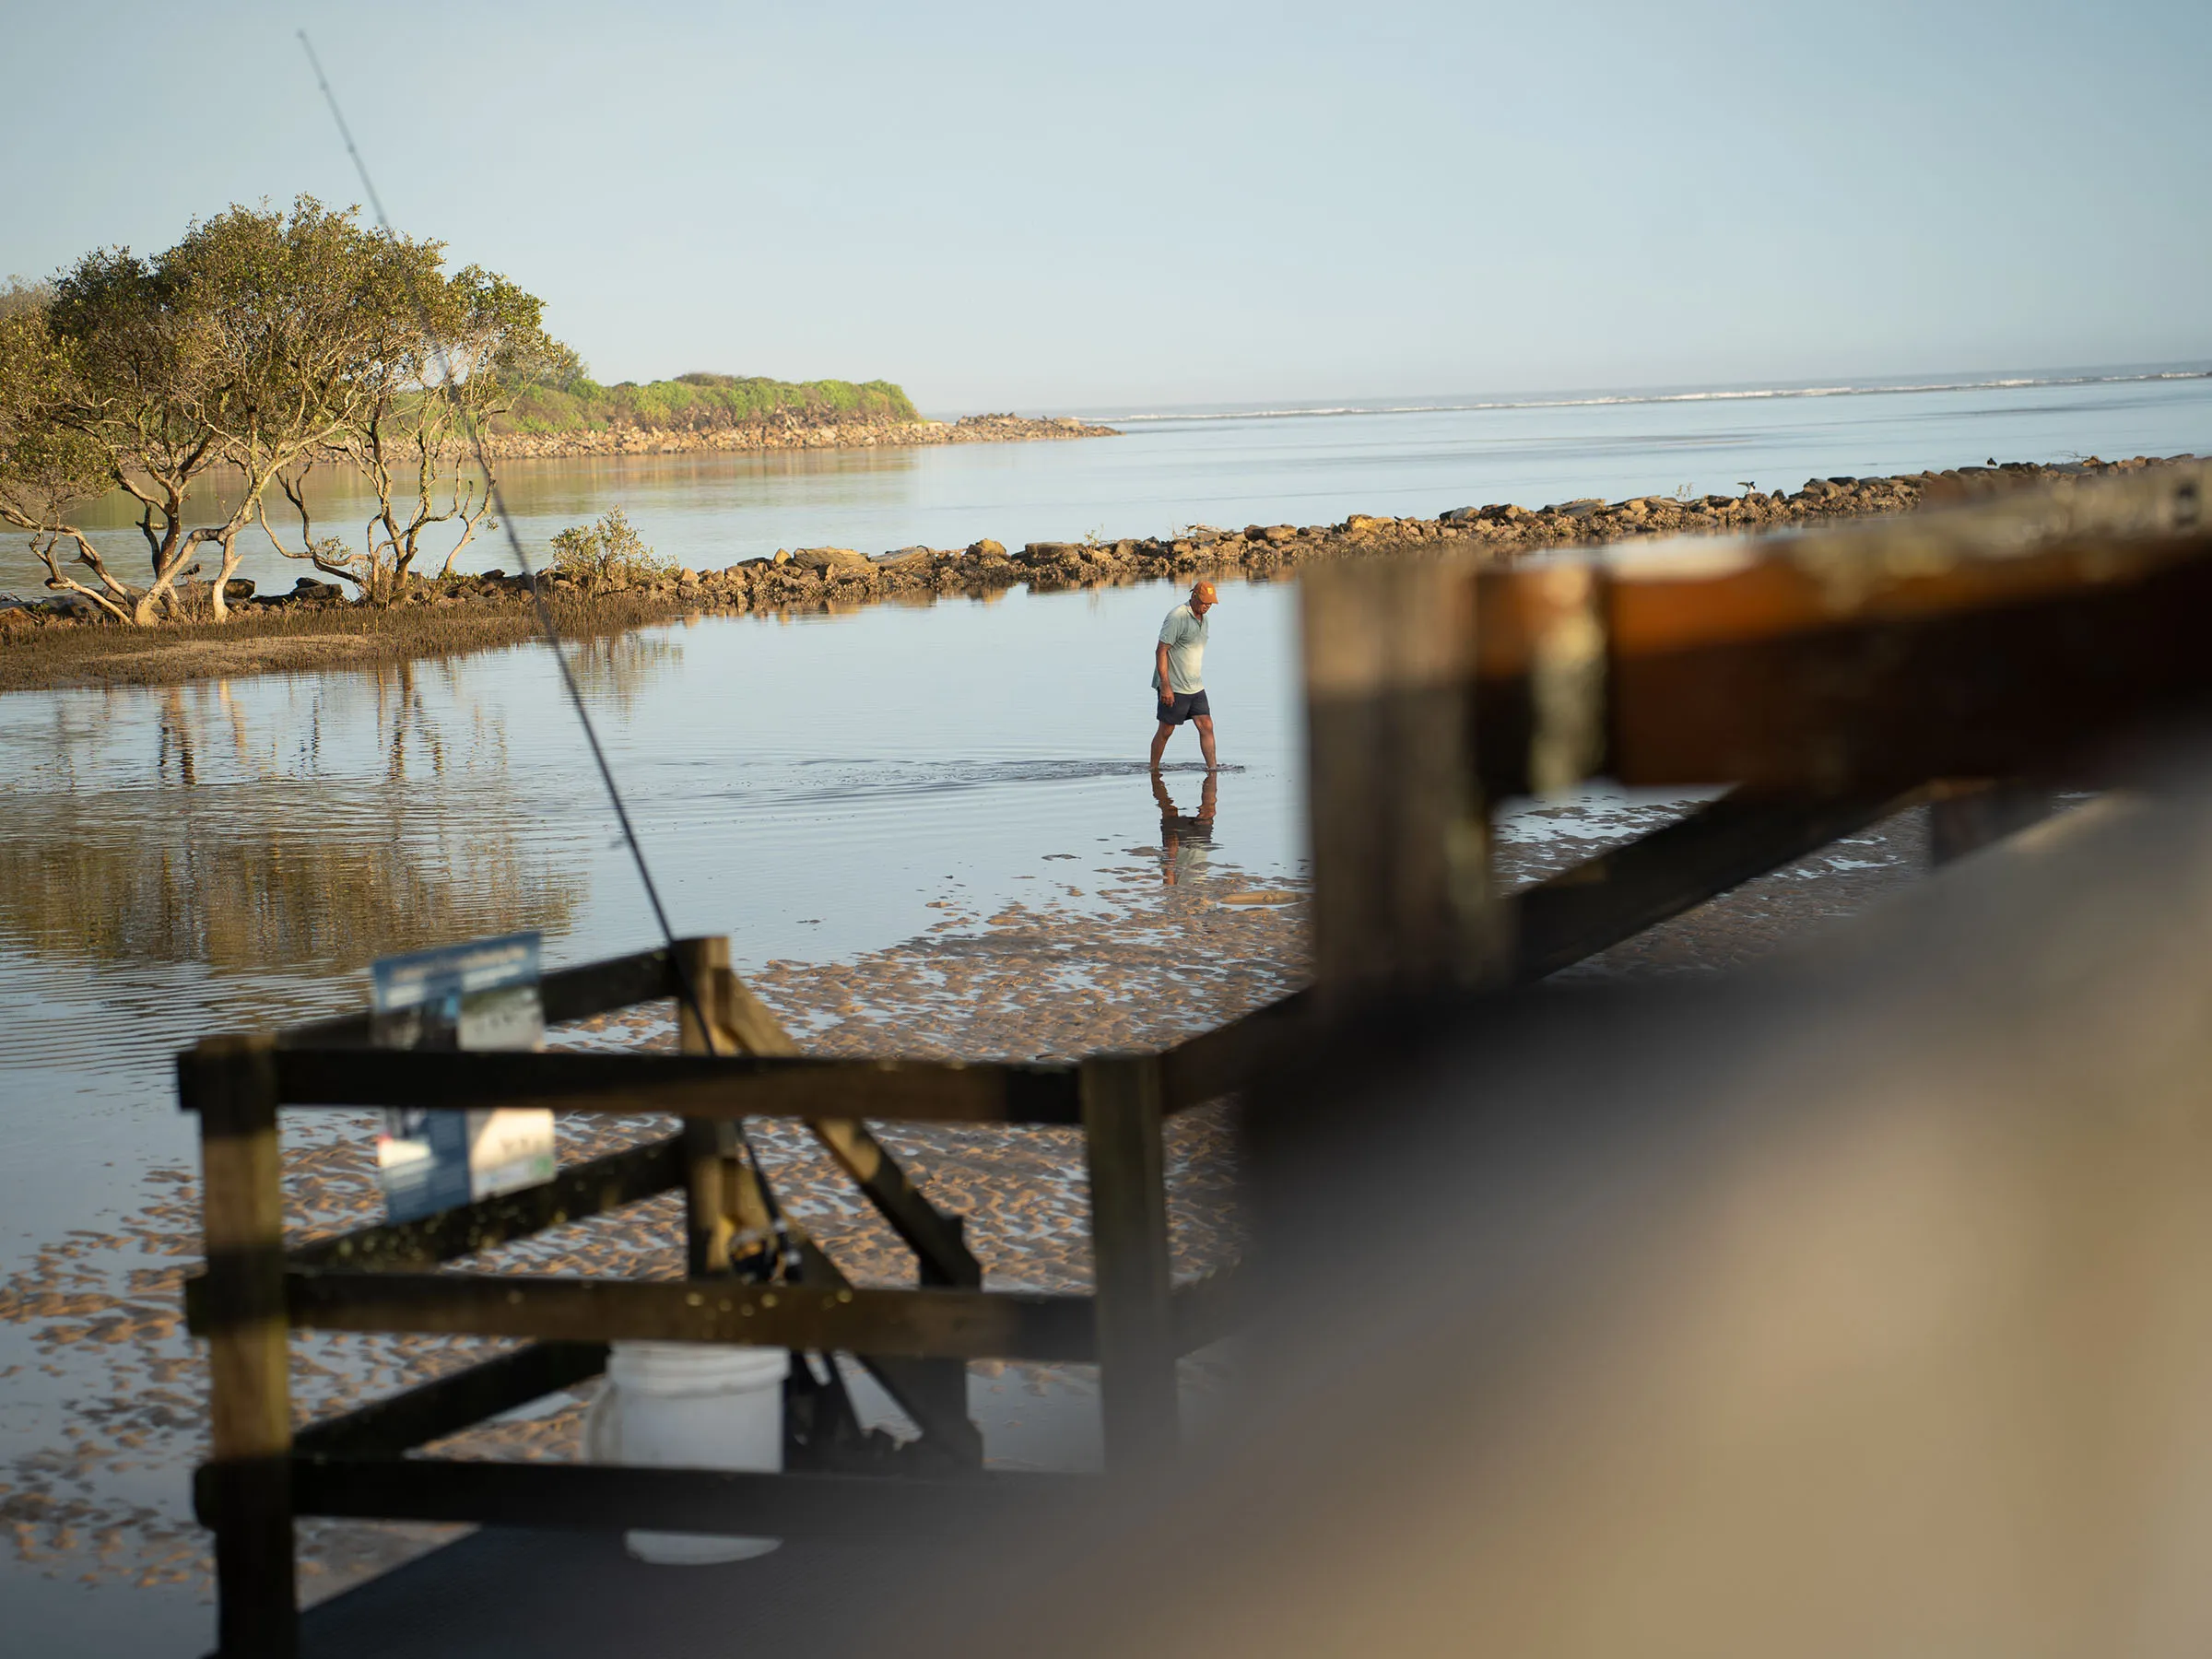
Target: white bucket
(690,1406)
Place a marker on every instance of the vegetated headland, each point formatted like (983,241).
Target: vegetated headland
(269,342)
(571,415)
(604,581)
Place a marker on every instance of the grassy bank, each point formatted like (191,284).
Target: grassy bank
(702,402)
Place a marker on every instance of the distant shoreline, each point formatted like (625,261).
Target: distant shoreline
(316,628)
(788,432)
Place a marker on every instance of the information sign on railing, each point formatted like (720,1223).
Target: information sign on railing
(480,996)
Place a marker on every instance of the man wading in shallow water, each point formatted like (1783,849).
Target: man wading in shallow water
(1176,660)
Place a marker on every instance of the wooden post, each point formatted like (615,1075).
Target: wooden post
(1131,1280)
(231,1083)
(709,1146)
(1400,831)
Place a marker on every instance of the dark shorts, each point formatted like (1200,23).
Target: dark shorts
(1188,706)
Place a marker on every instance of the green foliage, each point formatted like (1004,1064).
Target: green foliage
(45,468)
(698,403)
(608,554)
(266,338)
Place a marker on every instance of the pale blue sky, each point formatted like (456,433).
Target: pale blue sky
(1047,206)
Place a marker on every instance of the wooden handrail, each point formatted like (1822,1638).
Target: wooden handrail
(696,1086)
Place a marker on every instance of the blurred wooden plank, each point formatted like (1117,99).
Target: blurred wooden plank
(685,1084)
(1130,1269)
(1222,1061)
(1980,642)
(1573,915)
(928,1322)
(456,1401)
(1399,831)
(1617,895)
(590,1188)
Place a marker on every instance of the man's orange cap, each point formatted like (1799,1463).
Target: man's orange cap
(1205,590)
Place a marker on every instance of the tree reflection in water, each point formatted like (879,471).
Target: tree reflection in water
(252,851)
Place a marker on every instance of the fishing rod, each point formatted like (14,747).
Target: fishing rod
(786,1250)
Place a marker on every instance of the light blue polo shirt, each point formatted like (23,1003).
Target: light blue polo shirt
(1184,633)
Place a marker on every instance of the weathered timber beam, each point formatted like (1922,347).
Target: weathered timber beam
(1618,894)
(749,1028)
(936,1239)
(585,1189)
(1222,1061)
(568,994)
(1576,913)
(2015,688)
(696,1086)
(1396,820)
(1985,641)
(601,1496)
(929,1322)
(456,1401)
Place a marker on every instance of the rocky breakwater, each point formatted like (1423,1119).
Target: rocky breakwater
(789,433)
(812,577)
(834,578)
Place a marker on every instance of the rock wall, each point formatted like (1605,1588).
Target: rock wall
(813,578)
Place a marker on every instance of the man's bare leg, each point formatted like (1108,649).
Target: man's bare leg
(1204,722)
(1160,743)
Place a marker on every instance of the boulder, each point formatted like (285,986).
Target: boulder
(899,557)
(1036,553)
(239,589)
(987,549)
(827,559)
(1581,508)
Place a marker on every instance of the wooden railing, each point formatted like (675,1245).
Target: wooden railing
(1973,661)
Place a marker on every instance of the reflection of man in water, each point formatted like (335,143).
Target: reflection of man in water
(1176,660)
(1184,841)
